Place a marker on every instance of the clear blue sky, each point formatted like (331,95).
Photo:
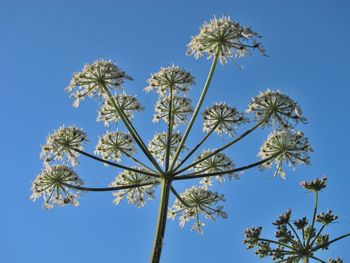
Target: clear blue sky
(44,42)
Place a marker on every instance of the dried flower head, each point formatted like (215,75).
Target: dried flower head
(223,36)
(136,195)
(181,109)
(127,104)
(158,145)
(252,235)
(287,146)
(170,77)
(60,144)
(216,163)
(222,118)
(50,184)
(325,218)
(282,109)
(113,145)
(94,78)
(283,219)
(197,201)
(315,185)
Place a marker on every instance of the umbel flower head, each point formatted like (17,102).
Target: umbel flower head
(282,110)
(158,145)
(170,77)
(181,109)
(197,201)
(60,144)
(295,244)
(136,195)
(315,185)
(225,37)
(216,163)
(94,78)
(50,184)
(222,118)
(285,146)
(127,104)
(113,145)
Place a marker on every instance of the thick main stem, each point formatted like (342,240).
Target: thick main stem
(162,217)
(306,259)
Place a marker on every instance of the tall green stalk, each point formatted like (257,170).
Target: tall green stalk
(161,222)
(196,111)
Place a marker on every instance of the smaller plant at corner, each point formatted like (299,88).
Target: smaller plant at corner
(297,240)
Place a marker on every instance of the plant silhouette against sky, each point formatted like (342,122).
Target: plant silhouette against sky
(168,158)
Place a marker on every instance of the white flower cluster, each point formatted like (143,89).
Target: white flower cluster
(288,146)
(216,163)
(223,118)
(50,185)
(158,145)
(113,145)
(181,109)
(225,36)
(199,201)
(61,143)
(179,79)
(126,103)
(136,195)
(93,78)
(284,111)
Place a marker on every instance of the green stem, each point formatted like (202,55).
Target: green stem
(179,197)
(196,111)
(115,164)
(330,242)
(313,219)
(295,233)
(318,259)
(170,129)
(162,217)
(242,168)
(196,147)
(105,189)
(277,243)
(305,259)
(226,145)
(132,130)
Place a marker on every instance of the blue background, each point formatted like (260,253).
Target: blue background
(44,42)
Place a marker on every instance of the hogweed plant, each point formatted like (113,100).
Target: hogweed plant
(167,158)
(297,240)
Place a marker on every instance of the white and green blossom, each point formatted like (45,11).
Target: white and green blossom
(94,77)
(282,109)
(136,195)
(126,103)
(50,185)
(181,108)
(224,37)
(197,202)
(61,143)
(290,147)
(158,145)
(113,145)
(178,79)
(216,163)
(222,118)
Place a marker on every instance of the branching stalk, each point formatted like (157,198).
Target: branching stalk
(196,111)
(105,189)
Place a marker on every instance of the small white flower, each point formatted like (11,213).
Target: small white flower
(223,117)
(50,185)
(115,144)
(61,143)
(127,104)
(181,109)
(179,79)
(284,111)
(200,202)
(137,195)
(225,36)
(91,81)
(158,145)
(292,147)
(217,163)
